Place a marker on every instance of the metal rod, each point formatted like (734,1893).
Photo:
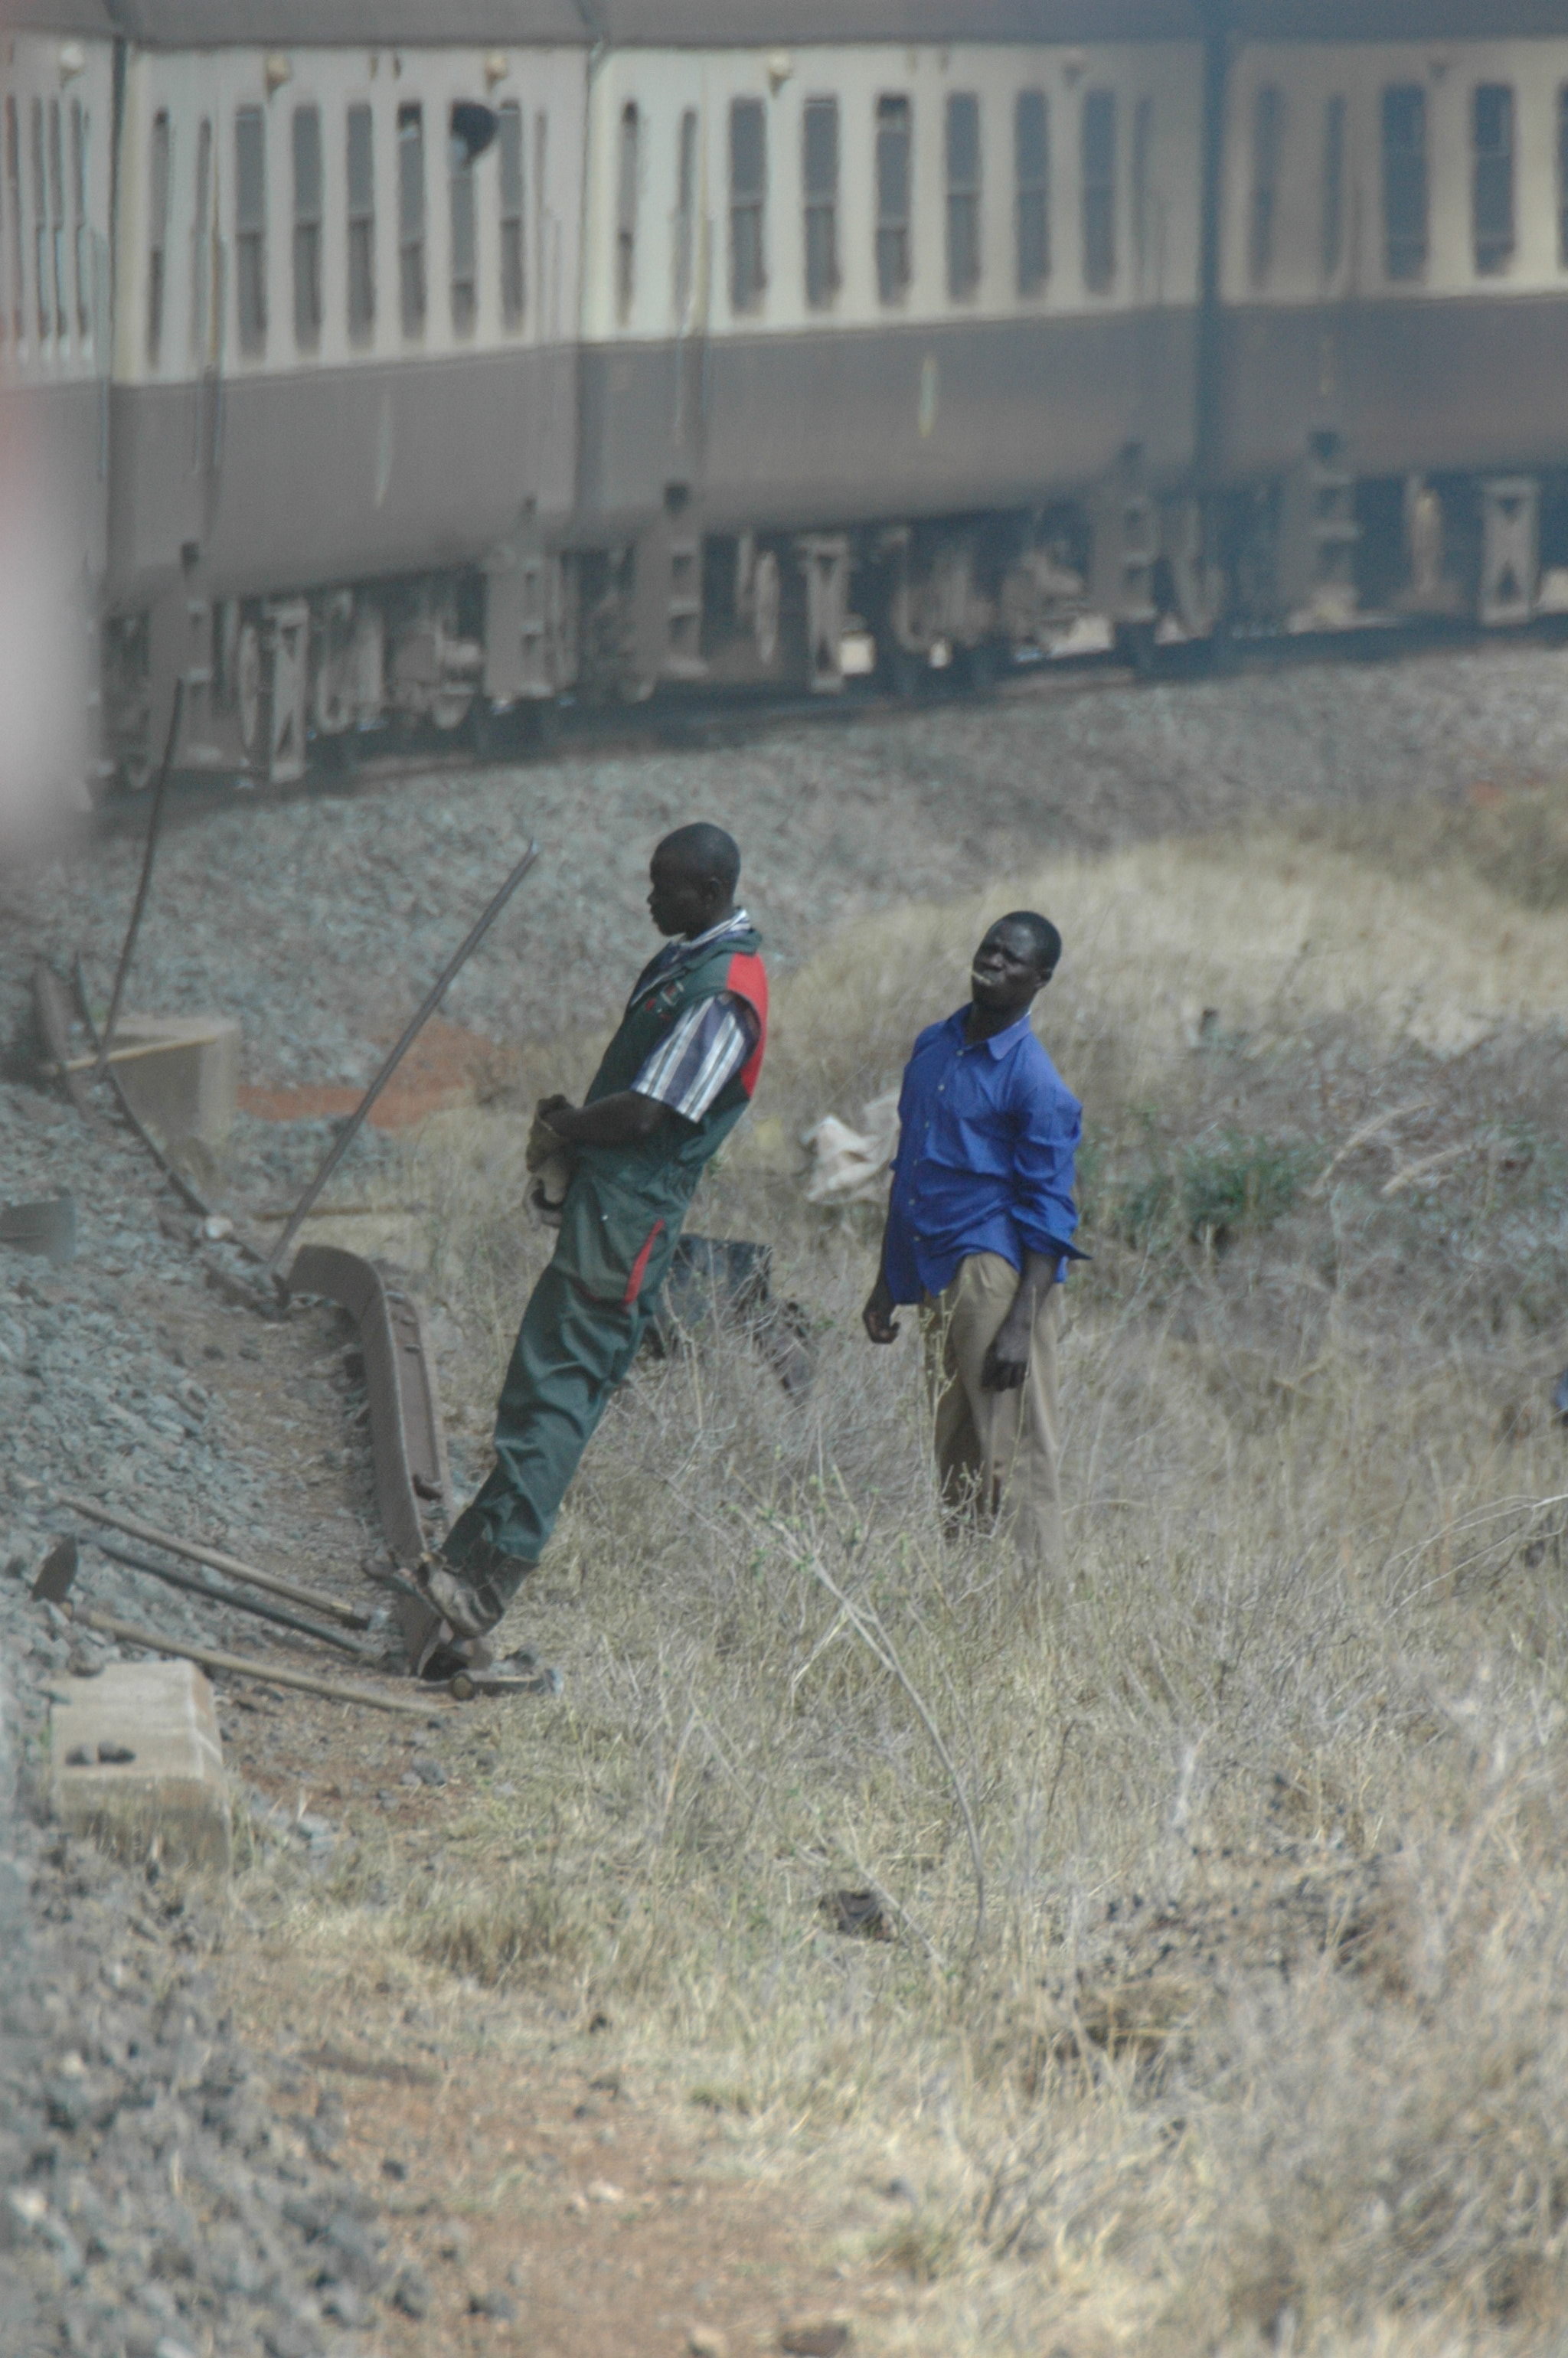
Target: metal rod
(154,828)
(190,1196)
(277,1614)
(274,1582)
(269,1674)
(433,998)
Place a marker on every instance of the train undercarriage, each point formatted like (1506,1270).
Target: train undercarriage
(487,655)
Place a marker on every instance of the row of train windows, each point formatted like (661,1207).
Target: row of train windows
(892,233)
(50,169)
(470,130)
(1406,180)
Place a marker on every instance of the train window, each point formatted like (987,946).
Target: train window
(819,178)
(1267,139)
(1333,187)
(509,143)
(250,226)
(626,213)
(963,194)
(41,225)
(158,234)
(1492,202)
(748,196)
(542,222)
(1100,189)
(18,248)
(307,227)
(1404,180)
(1562,175)
(894,142)
(80,234)
(1143,138)
(411,218)
(57,216)
(686,211)
(1032,176)
(203,257)
(362,224)
(464,228)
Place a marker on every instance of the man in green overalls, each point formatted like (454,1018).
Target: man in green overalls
(672,1084)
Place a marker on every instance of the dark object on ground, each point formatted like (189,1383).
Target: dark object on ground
(1559,1397)
(47,1225)
(724,1279)
(862,1915)
(819,2340)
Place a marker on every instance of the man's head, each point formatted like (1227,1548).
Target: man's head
(694,873)
(1016,959)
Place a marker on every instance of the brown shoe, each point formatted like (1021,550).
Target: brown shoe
(471,1597)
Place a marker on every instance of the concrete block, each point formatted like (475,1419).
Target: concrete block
(136,1760)
(189,1086)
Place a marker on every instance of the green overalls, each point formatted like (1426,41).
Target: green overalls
(588,1312)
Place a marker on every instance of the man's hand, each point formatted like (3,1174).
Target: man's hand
(877,1317)
(1006,1361)
(545,1140)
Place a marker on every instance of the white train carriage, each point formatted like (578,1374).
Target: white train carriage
(55,126)
(342,415)
(885,308)
(1388,407)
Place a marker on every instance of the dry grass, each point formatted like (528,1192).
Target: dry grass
(1264,2045)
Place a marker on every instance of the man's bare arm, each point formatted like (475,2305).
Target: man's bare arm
(877,1317)
(623,1120)
(1007,1360)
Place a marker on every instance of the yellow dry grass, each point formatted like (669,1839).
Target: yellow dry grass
(1259,2040)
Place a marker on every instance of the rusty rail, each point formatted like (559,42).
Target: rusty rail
(413,1478)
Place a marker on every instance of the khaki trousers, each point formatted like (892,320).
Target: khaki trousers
(996,1452)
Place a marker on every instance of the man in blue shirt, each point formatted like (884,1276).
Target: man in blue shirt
(980,1230)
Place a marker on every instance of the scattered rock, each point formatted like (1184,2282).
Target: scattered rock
(823,2338)
(498,2305)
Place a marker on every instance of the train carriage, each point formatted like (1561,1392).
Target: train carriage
(342,416)
(885,308)
(1388,421)
(57,76)
(382,367)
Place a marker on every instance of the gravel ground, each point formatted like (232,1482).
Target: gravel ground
(151,2203)
(318,921)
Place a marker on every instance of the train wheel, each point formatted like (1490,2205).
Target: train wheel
(904,673)
(1134,646)
(979,667)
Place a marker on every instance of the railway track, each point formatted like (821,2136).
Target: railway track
(574,732)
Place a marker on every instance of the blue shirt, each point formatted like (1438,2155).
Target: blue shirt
(986,1138)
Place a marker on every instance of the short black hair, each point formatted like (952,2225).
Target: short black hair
(1047,941)
(704,849)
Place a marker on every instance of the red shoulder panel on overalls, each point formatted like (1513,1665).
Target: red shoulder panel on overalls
(748,978)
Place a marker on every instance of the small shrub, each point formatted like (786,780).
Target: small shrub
(1210,1189)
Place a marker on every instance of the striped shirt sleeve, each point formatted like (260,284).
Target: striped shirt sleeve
(705,1051)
